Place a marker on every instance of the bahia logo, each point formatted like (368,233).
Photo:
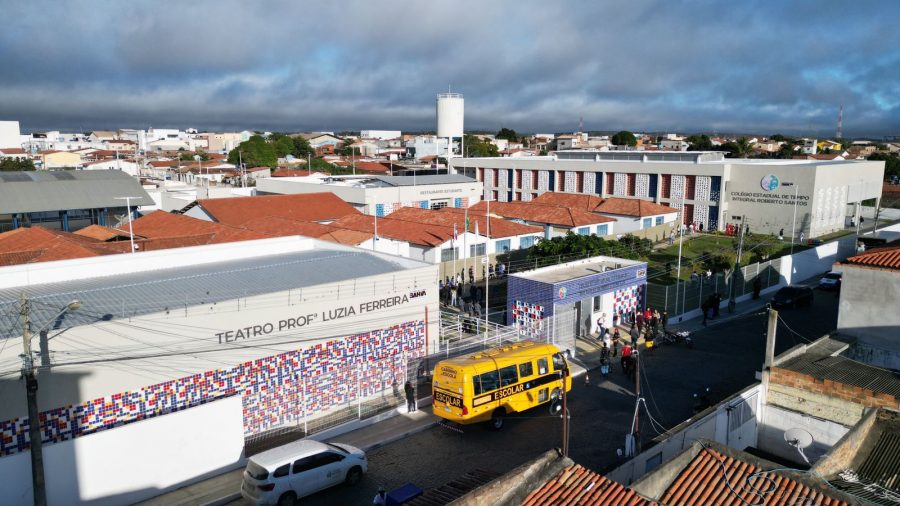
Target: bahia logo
(562,292)
(769,183)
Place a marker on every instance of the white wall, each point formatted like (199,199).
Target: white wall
(134,462)
(10,136)
(777,420)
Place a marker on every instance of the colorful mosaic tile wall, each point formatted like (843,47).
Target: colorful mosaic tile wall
(273,389)
(386,209)
(528,318)
(461,202)
(626,299)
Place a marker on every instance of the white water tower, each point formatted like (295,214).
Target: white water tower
(450,115)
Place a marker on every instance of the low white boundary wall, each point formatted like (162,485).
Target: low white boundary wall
(134,462)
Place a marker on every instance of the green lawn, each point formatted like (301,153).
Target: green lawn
(694,247)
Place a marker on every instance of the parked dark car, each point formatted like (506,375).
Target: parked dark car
(793,296)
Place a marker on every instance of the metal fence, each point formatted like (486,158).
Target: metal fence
(691,294)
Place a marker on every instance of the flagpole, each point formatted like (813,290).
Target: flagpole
(455,252)
(465,243)
(487,298)
(375,239)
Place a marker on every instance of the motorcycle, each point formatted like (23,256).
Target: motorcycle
(676,337)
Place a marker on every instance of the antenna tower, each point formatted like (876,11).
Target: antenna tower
(581,123)
(840,128)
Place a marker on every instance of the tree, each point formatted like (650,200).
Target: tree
(738,149)
(578,245)
(721,260)
(891,163)
(479,148)
(16,164)
(188,156)
(777,138)
(760,246)
(624,138)
(700,143)
(254,152)
(639,245)
(283,146)
(302,147)
(508,134)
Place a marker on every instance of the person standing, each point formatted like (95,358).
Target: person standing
(801,237)
(453,295)
(634,333)
(410,397)
(654,323)
(781,235)
(757,287)
(615,341)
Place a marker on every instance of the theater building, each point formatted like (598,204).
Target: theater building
(175,358)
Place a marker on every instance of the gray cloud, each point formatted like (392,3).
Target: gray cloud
(282,65)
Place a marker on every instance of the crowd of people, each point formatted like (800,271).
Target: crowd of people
(647,323)
(464,293)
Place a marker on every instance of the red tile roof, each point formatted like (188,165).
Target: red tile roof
(578,486)
(609,205)
(290,173)
(235,211)
(423,234)
(448,217)
(13,151)
(373,167)
(714,478)
(101,233)
(540,213)
(884,258)
(282,226)
(160,224)
(163,163)
(39,244)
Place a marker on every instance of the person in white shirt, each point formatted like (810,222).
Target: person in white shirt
(380,497)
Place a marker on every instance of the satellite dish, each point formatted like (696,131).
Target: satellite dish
(799,439)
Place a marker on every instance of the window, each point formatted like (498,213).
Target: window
(257,471)
(602,229)
(526,369)
(584,231)
(653,462)
(487,382)
(449,254)
(304,464)
(282,471)
(596,303)
(502,246)
(438,204)
(648,222)
(476,250)
(508,376)
(526,242)
(542,366)
(323,459)
(659,220)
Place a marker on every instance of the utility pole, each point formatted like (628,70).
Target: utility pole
(770,355)
(565,415)
(636,428)
(34,422)
(737,265)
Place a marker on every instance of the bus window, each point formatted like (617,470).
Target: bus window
(559,363)
(542,366)
(526,369)
(508,376)
(489,381)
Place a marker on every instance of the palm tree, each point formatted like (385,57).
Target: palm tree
(742,148)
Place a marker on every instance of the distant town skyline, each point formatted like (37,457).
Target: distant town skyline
(713,66)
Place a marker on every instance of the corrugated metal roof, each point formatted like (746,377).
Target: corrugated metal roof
(882,465)
(425,180)
(848,372)
(28,192)
(155,291)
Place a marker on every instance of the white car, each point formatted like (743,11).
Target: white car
(284,474)
(830,281)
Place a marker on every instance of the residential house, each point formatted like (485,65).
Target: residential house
(555,220)
(870,279)
(321,208)
(129,167)
(59,159)
(630,215)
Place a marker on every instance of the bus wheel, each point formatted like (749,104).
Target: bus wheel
(497,418)
(555,408)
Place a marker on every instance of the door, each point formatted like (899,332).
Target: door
(332,470)
(305,477)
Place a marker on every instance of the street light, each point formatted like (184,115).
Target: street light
(130,229)
(39,490)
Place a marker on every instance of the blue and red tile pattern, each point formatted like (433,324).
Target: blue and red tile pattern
(275,390)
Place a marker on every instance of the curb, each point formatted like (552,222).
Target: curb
(402,435)
(223,500)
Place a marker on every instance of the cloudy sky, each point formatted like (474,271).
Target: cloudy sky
(715,66)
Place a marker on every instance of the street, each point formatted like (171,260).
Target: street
(724,358)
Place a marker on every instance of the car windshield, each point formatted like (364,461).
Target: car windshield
(256,471)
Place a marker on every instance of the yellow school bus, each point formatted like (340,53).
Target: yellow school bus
(491,384)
